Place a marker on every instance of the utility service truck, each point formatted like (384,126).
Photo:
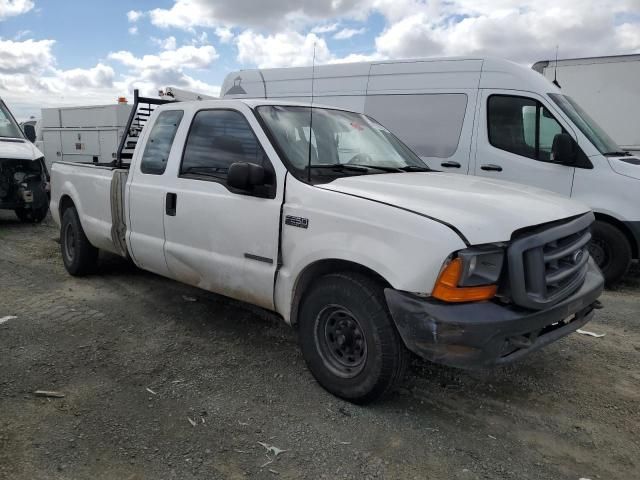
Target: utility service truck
(485,117)
(326,218)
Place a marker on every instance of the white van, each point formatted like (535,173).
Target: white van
(486,117)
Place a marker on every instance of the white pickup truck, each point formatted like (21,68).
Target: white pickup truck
(351,239)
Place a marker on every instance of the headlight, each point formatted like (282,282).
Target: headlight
(472,275)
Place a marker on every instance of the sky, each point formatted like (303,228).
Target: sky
(82,52)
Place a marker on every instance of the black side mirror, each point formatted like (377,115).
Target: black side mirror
(246,176)
(30,133)
(563,149)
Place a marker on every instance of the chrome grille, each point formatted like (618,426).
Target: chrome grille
(548,265)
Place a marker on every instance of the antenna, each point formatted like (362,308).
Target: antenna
(313,78)
(555,69)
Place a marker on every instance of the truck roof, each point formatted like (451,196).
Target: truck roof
(250,102)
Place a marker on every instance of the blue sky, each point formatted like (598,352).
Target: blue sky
(58,52)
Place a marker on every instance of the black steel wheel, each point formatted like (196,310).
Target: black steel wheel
(610,250)
(348,337)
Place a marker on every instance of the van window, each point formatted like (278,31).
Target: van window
(156,152)
(429,123)
(217,139)
(522,126)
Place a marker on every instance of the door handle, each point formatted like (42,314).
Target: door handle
(170,204)
(491,167)
(450,164)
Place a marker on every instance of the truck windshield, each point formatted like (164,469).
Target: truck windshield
(594,132)
(342,143)
(8,126)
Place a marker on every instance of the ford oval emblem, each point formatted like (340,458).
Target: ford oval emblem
(577,257)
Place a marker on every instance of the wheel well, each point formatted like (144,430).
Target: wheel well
(623,228)
(65,203)
(320,268)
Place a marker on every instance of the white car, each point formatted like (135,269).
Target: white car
(352,239)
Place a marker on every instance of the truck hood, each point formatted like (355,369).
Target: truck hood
(483,210)
(18,149)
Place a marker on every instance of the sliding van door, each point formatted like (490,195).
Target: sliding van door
(515,135)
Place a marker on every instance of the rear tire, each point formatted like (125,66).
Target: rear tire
(611,250)
(78,255)
(348,338)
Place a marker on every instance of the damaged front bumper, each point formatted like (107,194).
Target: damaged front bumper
(475,335)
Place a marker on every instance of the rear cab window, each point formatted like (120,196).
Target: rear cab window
(158,147)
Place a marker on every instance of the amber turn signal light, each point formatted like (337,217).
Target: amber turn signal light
(447,288)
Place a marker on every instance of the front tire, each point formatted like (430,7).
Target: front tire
(611,250)
(78,255)
(348,338)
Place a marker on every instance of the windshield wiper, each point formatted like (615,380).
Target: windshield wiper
(617,154)
(379,167)
(414,168)
(340,167)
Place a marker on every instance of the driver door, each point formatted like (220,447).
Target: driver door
(515,135)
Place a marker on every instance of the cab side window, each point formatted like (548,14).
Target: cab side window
(217,139)
(522,126)
(156,152)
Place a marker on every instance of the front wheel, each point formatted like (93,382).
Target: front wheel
(348,338)
(78,255)
(611,251)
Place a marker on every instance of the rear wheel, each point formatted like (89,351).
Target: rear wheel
(610,249)
(348,338)
(78,255)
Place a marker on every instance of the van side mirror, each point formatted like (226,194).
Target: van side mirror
(245,176)
(563,149)
(30,132)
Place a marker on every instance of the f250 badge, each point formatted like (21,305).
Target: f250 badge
(299,222)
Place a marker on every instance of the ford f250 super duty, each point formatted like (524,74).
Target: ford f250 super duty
(324,217)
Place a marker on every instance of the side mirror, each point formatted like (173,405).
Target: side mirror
(30,133)
(245,176)
(563,149)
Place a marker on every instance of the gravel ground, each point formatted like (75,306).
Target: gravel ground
(164,381)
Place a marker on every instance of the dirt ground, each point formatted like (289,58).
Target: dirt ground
(164,381)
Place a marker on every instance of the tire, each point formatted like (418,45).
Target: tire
(611,250)
(28,215)
(366,362)
(78,255)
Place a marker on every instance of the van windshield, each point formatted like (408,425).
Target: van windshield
(8,126)
(587,125)
(342,143)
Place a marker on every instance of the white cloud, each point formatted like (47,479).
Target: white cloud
(29,56)
(11,8)
(187,14)
(168,43)
(133,30)
(134,15)
(187,56)
(224,34)
(347,33)
(286,49)
(327,28)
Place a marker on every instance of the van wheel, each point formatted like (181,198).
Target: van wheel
(78,255)
(610,249)
(28,215)
(348,338)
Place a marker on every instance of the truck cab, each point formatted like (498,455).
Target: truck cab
(324,217)
(24,179)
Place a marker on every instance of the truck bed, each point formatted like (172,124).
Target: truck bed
(97,192)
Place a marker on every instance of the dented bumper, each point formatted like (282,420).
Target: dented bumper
(475,335)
